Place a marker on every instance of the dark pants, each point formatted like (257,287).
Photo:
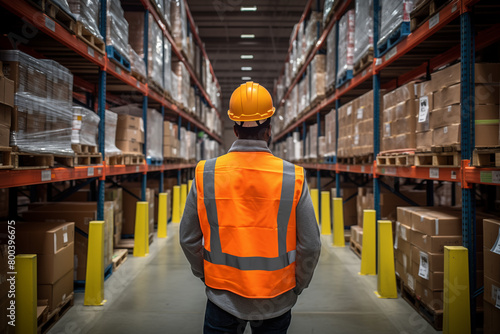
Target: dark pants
(218,321)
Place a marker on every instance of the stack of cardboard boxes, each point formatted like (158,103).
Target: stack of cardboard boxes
(115,195)
(171,144)
(81,213)
(362,120)
(6,105)
(130,134)
(330,134)
(346,130)
(399,118)
(491,251)
(53,243)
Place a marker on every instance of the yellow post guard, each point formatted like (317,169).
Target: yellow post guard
(24,310)
(94,279)
(368,266)
(183,198)
(176,215)
(315,200)
(326,220)
(141,234)
(338,222)
(386,273)
(456,311)
(190,184)
(162,215)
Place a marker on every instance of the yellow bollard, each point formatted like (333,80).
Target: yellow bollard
(176,215)
(162,215)
(368,260)
(94,279)
(326,220)
(315,200)
(141,234)
(338,222)
(456,311)
(24,310)
(183,198)
(190,184)
(386,273)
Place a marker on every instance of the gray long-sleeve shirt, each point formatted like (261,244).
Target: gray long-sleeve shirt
(308,250)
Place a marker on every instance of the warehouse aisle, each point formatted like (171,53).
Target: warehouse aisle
(158,294)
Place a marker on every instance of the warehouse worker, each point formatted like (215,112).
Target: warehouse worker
(249,230)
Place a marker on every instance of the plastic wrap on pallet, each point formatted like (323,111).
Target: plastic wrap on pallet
(313,30)
(85,126)
(317,76)
(59,81)
(393,14)
(110,122)
(154,139)
(301,45)
(43,125)
(166,8)
(137,64)
(87,12)
(182,75)
(330,133)
(327,7)
(167,63)
(191,100)
(331,46)
(363,34)
(346,43)
(63,4)
(178,19)
(117,27)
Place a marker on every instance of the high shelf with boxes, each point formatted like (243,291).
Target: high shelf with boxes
(422,101)
(96,57)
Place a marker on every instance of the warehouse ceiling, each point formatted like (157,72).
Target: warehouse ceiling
(221,24)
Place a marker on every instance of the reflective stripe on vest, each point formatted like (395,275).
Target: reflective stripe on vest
(216,256)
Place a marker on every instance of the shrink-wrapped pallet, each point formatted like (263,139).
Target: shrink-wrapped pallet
(117,28)
(394,13)
(346,44)
(178,19)
(363,34)
(153,133)
(87,12)
(317,77)
(331,46)
(137,64)
(110,122)
(85,126)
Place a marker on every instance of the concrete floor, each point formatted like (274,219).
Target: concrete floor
(158,294)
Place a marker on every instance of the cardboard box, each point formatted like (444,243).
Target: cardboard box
(435,282)
(129,207)
(483,73)
(6,115)
(447,135)
(129,147)
(56,293)
(491,264)
(491,234)
(433,261)
(434,244)
(487,135)
(491,319)
(445,116)
(436,223)
(423,140)
(403,246)
(433,299)
(4,135)
(132,135)
(491,290)
(54,245)
(404,232)
(484,94)
(6,91)
(129,122)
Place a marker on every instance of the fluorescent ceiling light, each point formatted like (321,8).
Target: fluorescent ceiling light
(246,68)
(246,78)
(247,36)
(246,56)
(248,9)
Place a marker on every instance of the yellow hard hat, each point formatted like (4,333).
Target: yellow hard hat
(250,102)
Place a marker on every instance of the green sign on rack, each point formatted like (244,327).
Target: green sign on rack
(486,177)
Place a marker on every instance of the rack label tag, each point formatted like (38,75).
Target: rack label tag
(453,175)
(50,24)
(495,176)
(434,173)
(423,270)
(391,53)
(390,171)
(137,168)
(433,21)
(118,70)
(90,51)
(90,171)
(362,169)
(46,175)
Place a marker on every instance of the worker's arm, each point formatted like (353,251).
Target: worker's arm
(308,241)
(190,234)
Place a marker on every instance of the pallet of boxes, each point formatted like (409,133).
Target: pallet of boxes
(171,144)
(130,138)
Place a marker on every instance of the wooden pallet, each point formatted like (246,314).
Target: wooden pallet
(486,157)
(42,313)
(93,41)
(88,159)
(85,149)
(138,76)
(56,314)
(65,160)
(396,160)
(435,318)
(444,149)
(420,14)
(6,158)
(59,15)
(114,160)
(155,86)
(119,257)
(363,62)
(355,247)
(133,159)
(450,159)
(23,160)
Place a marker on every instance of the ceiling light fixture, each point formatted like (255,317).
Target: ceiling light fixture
(246,56)
(248,9)
(247,36)
(246,78)
(246,68)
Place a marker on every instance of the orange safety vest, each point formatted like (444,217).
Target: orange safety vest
(246,207)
